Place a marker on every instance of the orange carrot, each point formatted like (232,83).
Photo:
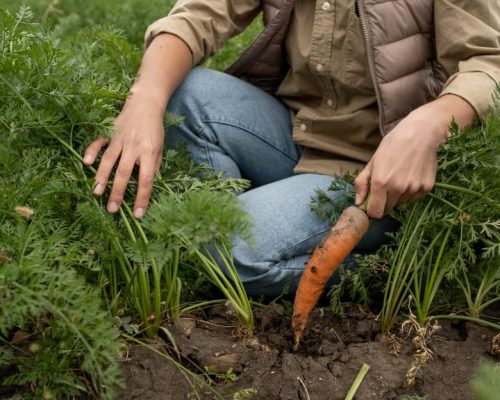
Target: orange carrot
(351,226)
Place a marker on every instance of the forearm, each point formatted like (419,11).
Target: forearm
(165,64)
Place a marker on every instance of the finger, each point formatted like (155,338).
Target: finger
(392,200)
(413,198)
(158,165)
(362,184)
(377,202)
(146,180)
(93,150)
(417,192)
(120,182)
(106,165)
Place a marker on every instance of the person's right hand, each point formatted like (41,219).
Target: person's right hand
(138,140)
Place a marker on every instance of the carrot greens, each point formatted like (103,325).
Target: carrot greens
(70,273)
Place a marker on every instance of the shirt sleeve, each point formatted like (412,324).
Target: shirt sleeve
(468,47)
(204,25)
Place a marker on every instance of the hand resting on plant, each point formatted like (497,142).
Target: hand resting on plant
(139,136)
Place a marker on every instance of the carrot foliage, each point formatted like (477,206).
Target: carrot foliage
(72,275)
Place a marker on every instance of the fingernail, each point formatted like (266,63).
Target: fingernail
(112,207)
(98,189)
(358,199)
(139,212)
(87,159)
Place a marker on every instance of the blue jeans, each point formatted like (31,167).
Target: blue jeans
(244,132)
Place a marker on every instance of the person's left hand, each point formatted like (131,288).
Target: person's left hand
(403,169)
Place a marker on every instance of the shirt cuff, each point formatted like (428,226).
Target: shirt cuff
(180,27)
(475,87)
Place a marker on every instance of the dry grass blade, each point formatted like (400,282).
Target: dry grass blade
(303,385)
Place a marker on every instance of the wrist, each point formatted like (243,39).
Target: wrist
(149,98)
(433,124)
(449,108)
(437,115)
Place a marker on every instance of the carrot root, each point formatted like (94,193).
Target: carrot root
(350,228)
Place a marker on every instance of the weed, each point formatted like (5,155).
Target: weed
(221,377)
(245,394)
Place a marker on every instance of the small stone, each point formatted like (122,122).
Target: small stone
(327,349)
(345,357)
(252,343)
(187,323)
(265,348)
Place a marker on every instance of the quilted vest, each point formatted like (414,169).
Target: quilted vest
(397,30)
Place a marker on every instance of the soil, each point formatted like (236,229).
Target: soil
(331,354)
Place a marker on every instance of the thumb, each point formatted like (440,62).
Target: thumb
(362,184)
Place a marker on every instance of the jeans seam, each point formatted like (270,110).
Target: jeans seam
(288,249)
(203,142)
(249,130)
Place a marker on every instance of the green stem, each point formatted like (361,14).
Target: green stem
(221,281)
(200,305)
(444,201)
(419,275)
(487,304)
(396,287)
(466,318)
(454,188)
(435,278)
(357,382)
(154,267)
(224,254)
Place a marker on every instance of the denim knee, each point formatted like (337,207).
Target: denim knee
(196,92)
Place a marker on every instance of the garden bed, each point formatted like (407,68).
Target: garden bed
(77,285)
(333,351)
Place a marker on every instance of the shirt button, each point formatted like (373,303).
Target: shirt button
(303,127)
(319,67)
(326,6)
(329,102)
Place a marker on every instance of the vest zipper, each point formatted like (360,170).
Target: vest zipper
(371,62)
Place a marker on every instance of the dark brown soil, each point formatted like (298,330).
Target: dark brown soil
(333,351)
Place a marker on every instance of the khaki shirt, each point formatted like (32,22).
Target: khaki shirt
(328,87)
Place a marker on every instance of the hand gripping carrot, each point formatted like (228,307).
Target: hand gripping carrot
(350,228)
